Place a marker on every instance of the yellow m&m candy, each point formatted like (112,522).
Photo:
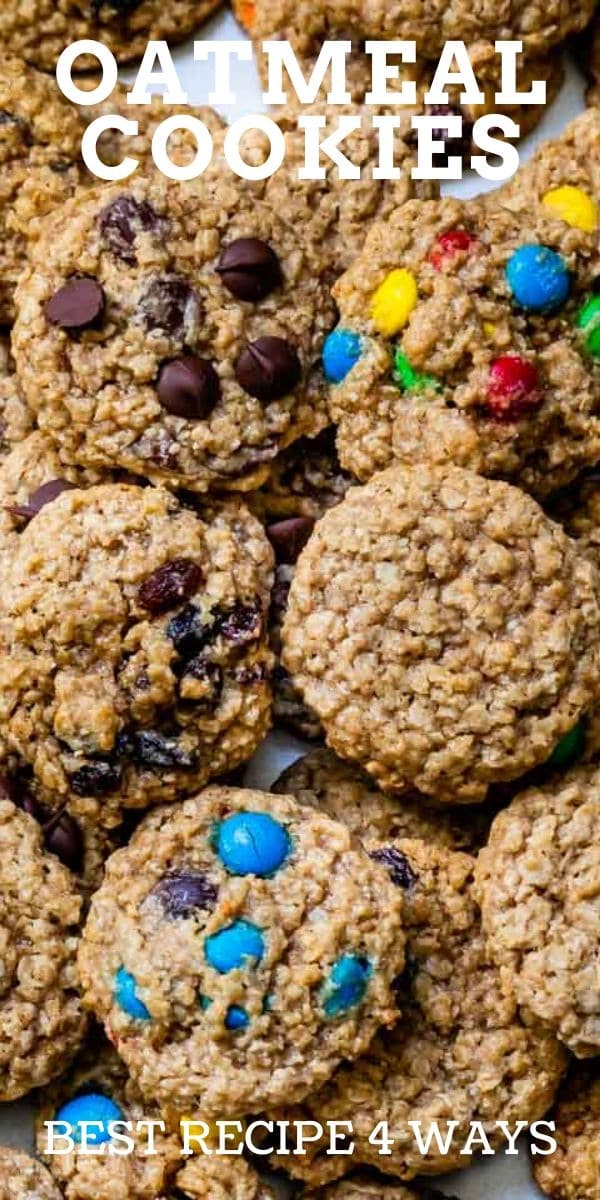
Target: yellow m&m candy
(394,301)
(574,206)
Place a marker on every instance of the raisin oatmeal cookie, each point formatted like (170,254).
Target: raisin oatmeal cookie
(39,30)
(40,139)
(21,1178)
(444,630)
(563,175)
(173,330)
(573,1172)
(538,881)
(135,664)
(463,1051)
(239,947)
(41,1020)
(467,333)
(348,794)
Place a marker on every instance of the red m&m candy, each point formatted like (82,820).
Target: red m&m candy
(449,244)
(514,388)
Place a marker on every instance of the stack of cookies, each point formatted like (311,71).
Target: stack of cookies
(320,455)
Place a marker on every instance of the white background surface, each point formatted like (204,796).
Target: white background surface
(500,1178)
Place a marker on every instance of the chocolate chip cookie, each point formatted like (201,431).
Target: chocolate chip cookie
(144,671)
(40,138)
(239,947)
(174,330)
(468,333)
(15,418)
(23,1179)
(39,30)
(573,1172)
(563,175)
(538,881)
(444,630)
(348,794)
(463,1051)
(41,1020)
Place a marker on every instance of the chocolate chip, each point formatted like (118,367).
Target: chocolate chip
(188,632)
(289,537)
(19,795)
(175,581)
(268,368)
(76,305)
(247,676)
(153,749)
(62,837)
(208,677)
(240,624)
(122,221)
(184,892)
(453,146)
(249,268)
(189,387)
(168,304)
(397,865)
(96,778)
(40,498)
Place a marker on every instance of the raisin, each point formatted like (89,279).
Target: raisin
(96,778)
(397,865)
(240,624)
(175,581)
(182,893)
(152,749)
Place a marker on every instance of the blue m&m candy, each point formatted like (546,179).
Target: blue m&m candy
(252,843)
(126,995)
(538,278)
(236,1018)
(91,1107)
(346,985)
(238,945)
(341,352)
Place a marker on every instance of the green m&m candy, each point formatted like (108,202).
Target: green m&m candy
(588,321)
(570,748)
(408,379)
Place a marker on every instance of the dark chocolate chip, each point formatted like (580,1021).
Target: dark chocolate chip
(247,676)
(189,387)
(289,537)
(397,864)
(249,268)
(188,632)
(175,581)
(62,837)
(96,778)
(210,676)
(268,368)
(40,498)
(76,305)
(167,304)
(153,749)
(454,147)
(122,221)
(184,892)
(241,623)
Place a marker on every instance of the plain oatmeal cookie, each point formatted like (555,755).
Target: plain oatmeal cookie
(468,334)
(463,1050)
(41,1019)
(573,1172)
(444,630)
(538,881)
(348,794)
(40,137)
(21,1178)
(174,330)
(39,30)
(238,949)
(136,665)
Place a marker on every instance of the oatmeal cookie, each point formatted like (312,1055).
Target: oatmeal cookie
(348,794)
(39,30)
(221,1179)
(538,881)
(135,664)
(468,333)
(593,63)
(239,947)
(430,23)
(444,630)
(21,1178)
(563,175)
(40,139)
(15,418)
(41,1020)
(173,330)
(463,1051)
(573,1172)
(366,1185)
